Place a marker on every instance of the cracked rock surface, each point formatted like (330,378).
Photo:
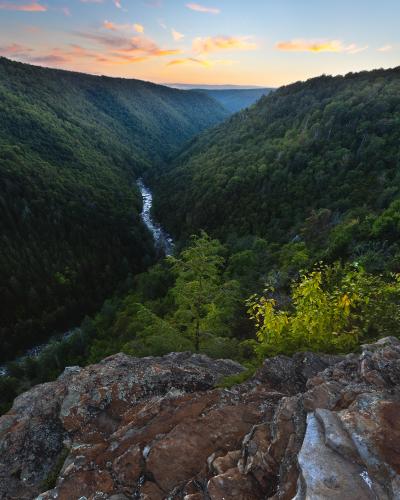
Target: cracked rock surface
(307,427)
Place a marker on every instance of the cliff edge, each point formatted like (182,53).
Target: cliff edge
(308,427)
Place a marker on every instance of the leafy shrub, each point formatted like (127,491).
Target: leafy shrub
(332,309)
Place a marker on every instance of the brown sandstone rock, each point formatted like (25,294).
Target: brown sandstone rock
(307,427)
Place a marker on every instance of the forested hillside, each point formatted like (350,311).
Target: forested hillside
(71,146)
(313,168)
(303,192)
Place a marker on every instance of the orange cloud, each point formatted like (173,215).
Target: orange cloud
(53,57)
(123,27)
(186,60)
(33,6)
(201,8)
(300,45)
(203,62)
(110,26)
(170,52)
(123,49)
(213,44)
(16,50)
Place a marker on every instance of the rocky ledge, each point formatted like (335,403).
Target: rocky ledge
(307,427)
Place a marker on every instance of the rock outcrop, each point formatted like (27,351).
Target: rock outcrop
(308,427)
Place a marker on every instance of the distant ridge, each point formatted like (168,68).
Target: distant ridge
(196,86)
(232,97)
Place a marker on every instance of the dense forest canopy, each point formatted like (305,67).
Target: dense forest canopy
(312,167)
(308,174)
(71,146)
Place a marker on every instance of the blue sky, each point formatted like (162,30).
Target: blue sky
(253,42)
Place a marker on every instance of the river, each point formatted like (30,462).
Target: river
(162,241)
(33,352)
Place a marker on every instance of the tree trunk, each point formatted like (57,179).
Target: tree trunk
(197,336)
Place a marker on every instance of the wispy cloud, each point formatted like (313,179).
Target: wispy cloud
(53,57)
(216,43)
(16,50)
(176,35)
(386,48)
(300,45)
(186,60)
(124,48)
(69,56)
(109,25)
(33,6)
(206,63)
(202,8)
(354,49)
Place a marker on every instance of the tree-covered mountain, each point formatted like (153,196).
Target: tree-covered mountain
(309,174)
(312,167)
(71,146)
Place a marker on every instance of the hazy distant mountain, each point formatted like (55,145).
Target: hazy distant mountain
(189,86)
(232,97)
(233,100)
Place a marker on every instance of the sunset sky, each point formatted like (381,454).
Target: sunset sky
(244,42)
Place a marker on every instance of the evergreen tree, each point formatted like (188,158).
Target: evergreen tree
(204,300)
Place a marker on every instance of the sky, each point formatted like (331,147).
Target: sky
(240,42)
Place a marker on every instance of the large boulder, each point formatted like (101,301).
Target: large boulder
(83,408)
(307,427)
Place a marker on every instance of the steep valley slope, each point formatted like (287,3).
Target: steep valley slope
(71,146)
(313,165)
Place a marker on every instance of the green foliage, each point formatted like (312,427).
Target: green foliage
(232,380)
(156,337)
(153,319)
(204,301)
(332,309)
(50,481)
